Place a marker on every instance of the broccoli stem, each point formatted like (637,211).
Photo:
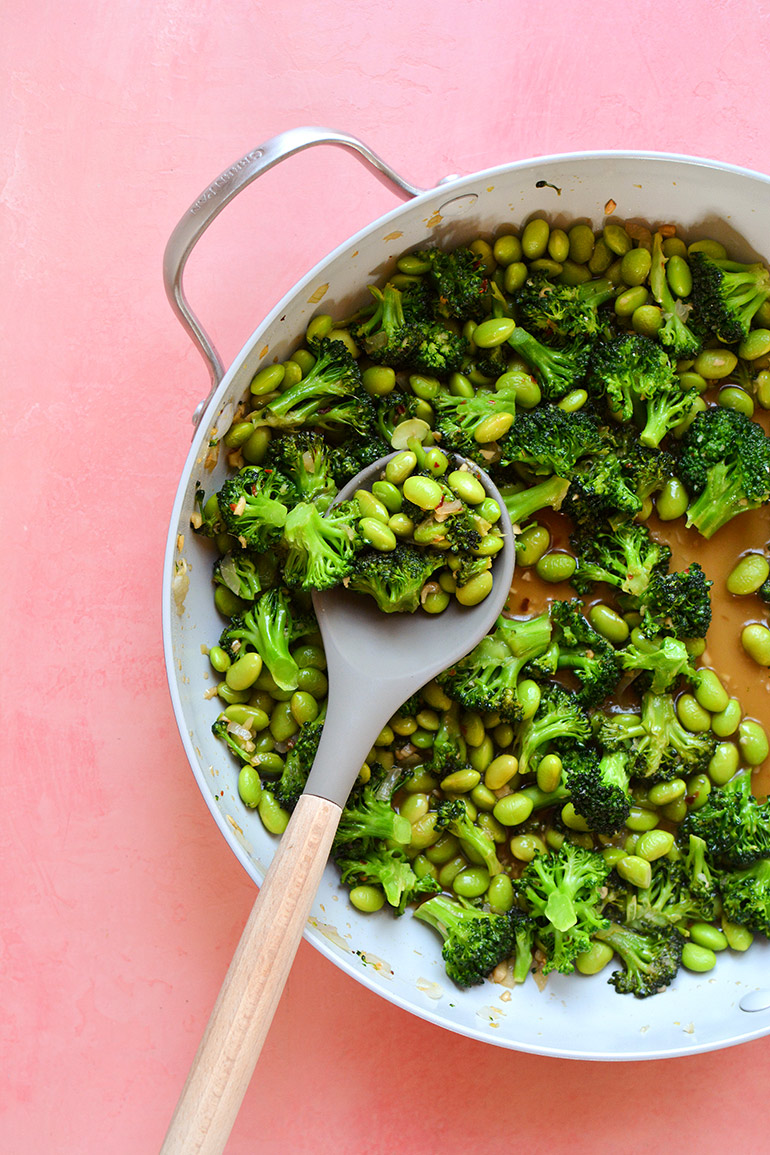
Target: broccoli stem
(525,503)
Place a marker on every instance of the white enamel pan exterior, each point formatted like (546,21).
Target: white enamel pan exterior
(573,1017)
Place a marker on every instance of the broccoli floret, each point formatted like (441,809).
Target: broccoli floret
(394,579)
(562,891)
(459,423)
(559,718)
(598,787)
(675,333)
(320,549)
(486,679)
(367,817)
(625,557)
(307,460)
(354,454)
(457,283)
(558,371)
(661,661)
(329,396)
(244,575)
(733,824)
(452,816)
(449,750)
(525,937)
(677,603)
(726,295)
(562,310)
(701,879)
(475,940)
(725,466)
(580,649)
(658,745)
(389,337)
(389,869)
(645,470)
(746,896)
(391,411)
(523,503)
(549,440)
(298,763)
(638,380)
(651,960)
(206,519)
(254,506)
(269,628)
(668,901)
(601,493)
(243,748)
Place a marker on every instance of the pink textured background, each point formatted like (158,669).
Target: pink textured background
(121,904)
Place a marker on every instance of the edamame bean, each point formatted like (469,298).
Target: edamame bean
(635,266)
(480,756)
(715,364)
(556,566)
(709,248)
(500,771)
(267,380)
(524,387)
(581,243)
(573,274)
(733,397)
(628,302)
(471,882)
(678,276)
(532,543)
(231,696)
(483,797)
(698,958)
(692,715)
(227,602)
(413,264)
(654,844)
(601,258)
(513,809)
(724,762)
(595,959)
(367,899)
(282,722)
(692,382)
(573,401)
(379,535)
(534,239)
(709,691)
(608,623)
(492,428)
(528,697)
(664,793)
(460,781)
(467,487)
(748,575)
(493,332)
(515,275)
(616,239)
(672,501)
(752,742)
(726,721)
(507,249)
(474,591)
(249,786)
(762,388)
(400,467)
(558,245)
(641,819)
(500,894)
(549,771)
(525,847)
(238,434)
(636,870)
(304,707)
(274,818)
(371,506)
(244,671)
(572,820)
(755,639)
(433,599)
(698,790)
(756,344)
(253,451)
(414,807)
(423,492)
(220,660)
(738,937)
(449,871)
(443,848)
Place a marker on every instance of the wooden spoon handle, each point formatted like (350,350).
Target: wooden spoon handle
(230,1047)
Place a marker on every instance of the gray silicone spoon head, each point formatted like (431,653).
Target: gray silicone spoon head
(377,660)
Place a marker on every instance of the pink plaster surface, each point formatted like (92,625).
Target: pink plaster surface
(121,904)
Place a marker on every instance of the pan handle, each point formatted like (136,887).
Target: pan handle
(220,192)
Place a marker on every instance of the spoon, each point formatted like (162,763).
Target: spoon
(375,661)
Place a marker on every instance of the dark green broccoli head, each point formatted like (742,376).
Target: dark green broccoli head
(396,579)
(725,465)
(563,311)
(726,295)
(329,396)
(733,824)
(669,900)
(562,891)
(677,603)
(390,869)
(452,815)
(658,662)
(558,370)
(598,787)
(460,421)
(449,750)
(626,557)
(306,459)
(559,718)
(475,940)
(524,501)
(457,283)
(651,961)
(601,493)
(548,439)
(233,737)
(591,659)
(269,628)
(746,896)
(319,550)
(254,505)
(366,817)
(354,454)
(298,763)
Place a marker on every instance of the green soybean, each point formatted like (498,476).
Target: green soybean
(507,249)
(647,320)
(244,672)
(471,882)
(748,574)
(367,899)
(267,380)
(595,959)
(525,847)
(698,790)
(219,659)
(752,742)
(709,692)
(500,893)
(531,544)
(627,302)
(400,467)
(581,243)
(756,344)
(500,771)
(515,275)
(636,870)
(528,697)
(573,401)
(467,487)
(672,501)
(423,492)
(319,327)
(641,819)
(249,786)
(493,332)
(635,266)
(556,566)
(654,844)
(738,937)
(692,715)
(678,276)
(664,793)
(733,397)
(274,818)
(755,639)
(726,721)
(558,245)
(513,809)
(534,239)
(474,591)
(379,535)
(616,239)
(709,248)
(724,763)
(715,364)
(601,258)
(608,623)
(698,958)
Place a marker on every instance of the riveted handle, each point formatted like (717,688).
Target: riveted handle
(220,192)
